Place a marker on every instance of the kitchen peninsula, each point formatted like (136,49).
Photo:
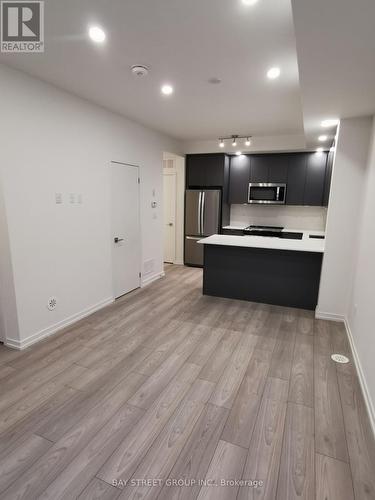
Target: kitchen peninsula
(279,270)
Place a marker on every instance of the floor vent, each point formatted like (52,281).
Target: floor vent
(51,303)
(340,358)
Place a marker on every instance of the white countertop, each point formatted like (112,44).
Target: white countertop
(305,245)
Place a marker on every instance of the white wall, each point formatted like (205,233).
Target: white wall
(8,310)
(361,311)
(309,218)
(259,144)
(343,218)
(55,142)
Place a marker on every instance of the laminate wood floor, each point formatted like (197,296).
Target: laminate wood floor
(169,394)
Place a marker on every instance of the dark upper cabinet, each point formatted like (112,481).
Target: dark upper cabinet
(307,175)
(278,168)
(269,168)
(295,191)
(239,179)
(206,170)
(315,178)
(328,178)
(259,168)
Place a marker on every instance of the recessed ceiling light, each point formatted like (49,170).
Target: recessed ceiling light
(319,150)
(167,89)
(322,138)
(331,122)
(249,2)
(273,73)
(238,153)
(96,34)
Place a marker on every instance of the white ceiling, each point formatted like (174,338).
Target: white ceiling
(336,59)
(184,42)
(187,42)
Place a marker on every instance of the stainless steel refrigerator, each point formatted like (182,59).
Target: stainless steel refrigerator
(202,218)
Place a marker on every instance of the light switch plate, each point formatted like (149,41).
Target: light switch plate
(58,198)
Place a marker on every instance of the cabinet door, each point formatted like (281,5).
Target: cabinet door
(205,170)
(315,178)
(195,171)
(295,190)
(259,168)
(278,168)
(239,179)
(214,168)
(327,184)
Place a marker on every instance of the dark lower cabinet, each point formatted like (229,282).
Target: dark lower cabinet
(280,277)
(315,178)
(232,232)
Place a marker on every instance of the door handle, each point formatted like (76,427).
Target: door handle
(199,212)
(202,212)
(117,240)
(170,224)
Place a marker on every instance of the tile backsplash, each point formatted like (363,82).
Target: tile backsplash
(291,217)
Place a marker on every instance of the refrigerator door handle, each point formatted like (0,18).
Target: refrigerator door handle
(202,212)
(199,212)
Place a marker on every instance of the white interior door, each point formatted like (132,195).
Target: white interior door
(125,226)
(169,216)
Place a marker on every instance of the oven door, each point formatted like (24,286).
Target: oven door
(267,193)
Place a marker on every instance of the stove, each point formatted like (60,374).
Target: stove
(263,230)
(273,231)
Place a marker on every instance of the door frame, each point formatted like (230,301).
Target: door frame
(179,169)
(174,174)
(125,164)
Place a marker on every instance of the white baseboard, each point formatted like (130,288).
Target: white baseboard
(329,316)
(361,377)
(50,330)
(150,279)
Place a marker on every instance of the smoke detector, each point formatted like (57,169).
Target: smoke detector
(139,70)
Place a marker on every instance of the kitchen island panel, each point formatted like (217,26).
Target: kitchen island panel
(279,277)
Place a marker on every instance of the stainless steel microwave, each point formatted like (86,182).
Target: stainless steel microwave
(267,193)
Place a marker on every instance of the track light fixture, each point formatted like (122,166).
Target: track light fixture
(234,138)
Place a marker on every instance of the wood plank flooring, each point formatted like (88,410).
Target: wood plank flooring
(168,394)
